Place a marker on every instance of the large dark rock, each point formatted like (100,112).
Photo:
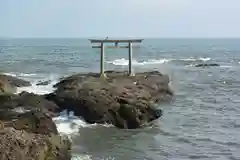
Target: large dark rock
(28,112)
(126,102)
(27,130)
(22,145)
(14,81)
(207,65)
(12,105)
(34,122)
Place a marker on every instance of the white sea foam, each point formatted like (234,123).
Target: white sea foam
(20,74)
(205,59)
(225,66)
(124,62)
(35,79)
(69,124)
(188,59)
(81,157)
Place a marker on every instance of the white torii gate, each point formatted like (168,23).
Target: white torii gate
(116,42)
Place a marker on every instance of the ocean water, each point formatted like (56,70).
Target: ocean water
(203,121)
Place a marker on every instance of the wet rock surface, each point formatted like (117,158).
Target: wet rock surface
(126,102)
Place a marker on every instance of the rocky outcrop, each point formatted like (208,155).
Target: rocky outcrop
(126,102)
(26,127)
(22,145)
(27,130)
(207,65)
(12,105)
(34,122)
(14,81)
(9,84)
(6,88)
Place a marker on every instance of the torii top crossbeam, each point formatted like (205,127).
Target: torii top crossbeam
(116,41)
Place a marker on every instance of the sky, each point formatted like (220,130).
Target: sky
(120,18)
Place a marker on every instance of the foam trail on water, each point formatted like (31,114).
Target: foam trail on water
(225,66)
(188,59)
(124,62)
(20,74)
(204,59)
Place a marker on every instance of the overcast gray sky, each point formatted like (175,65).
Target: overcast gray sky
(120,18)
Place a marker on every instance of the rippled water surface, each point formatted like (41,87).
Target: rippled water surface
(203,121)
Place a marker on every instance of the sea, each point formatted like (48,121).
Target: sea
(201,123)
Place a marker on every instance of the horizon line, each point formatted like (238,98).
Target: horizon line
(114,37)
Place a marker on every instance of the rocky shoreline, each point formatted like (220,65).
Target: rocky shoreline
(123,101)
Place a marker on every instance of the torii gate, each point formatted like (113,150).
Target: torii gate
(116,42)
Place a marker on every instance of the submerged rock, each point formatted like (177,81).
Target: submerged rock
(22,145)
(208,65)
(126,102)
(14,81)
(44,83)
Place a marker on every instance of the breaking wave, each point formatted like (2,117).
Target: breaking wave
(124,62)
